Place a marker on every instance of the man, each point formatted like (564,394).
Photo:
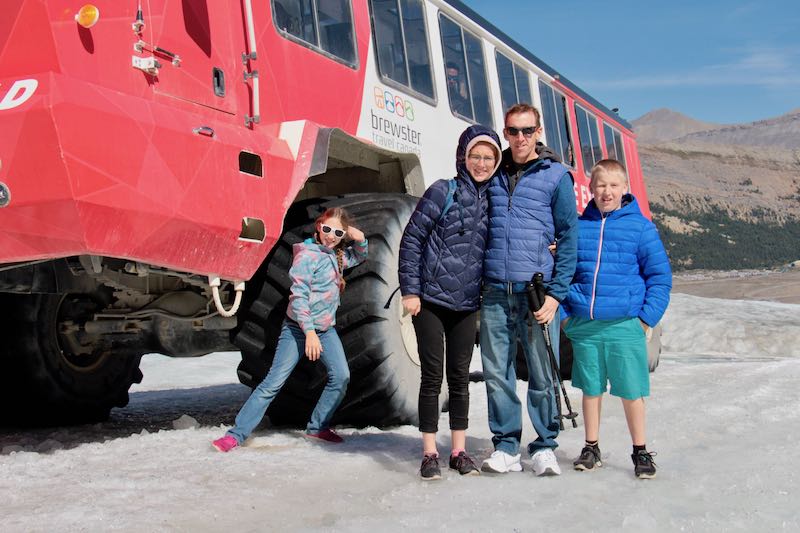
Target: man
(457,90)
(531,205)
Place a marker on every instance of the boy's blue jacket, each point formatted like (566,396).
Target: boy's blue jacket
(442,261)
(523,223)
(623,269)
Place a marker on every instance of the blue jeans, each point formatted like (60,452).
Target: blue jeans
(504,321)
(291,346)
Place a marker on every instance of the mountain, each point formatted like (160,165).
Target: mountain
(779,132)
(724,196)
(664,124)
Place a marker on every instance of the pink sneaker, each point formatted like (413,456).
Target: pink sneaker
(225,444)
(328,435)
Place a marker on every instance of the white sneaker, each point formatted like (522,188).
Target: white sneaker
(545,463)
(501,462)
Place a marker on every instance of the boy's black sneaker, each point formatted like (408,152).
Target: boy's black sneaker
(643,465)
(589,459)
(430,468)
(464,464)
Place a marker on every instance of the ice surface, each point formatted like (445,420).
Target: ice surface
(723,418)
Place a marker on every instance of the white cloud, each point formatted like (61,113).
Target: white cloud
(753,66)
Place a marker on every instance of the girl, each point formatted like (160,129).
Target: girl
(441,264)
(317,283)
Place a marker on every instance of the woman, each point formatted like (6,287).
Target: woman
(441,263)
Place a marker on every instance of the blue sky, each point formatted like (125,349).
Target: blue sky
(718,61)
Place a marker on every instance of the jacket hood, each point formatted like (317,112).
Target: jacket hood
(469,138)
(629,206)
(544,152)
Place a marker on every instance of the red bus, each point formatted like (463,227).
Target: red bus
(158,158)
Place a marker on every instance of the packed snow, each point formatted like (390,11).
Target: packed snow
(723,418)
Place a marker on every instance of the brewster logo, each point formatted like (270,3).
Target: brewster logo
(388,132)
(394,104)
(19,93)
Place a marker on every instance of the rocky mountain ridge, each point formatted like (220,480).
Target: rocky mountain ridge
(664,124)
(751,171)
(707,184)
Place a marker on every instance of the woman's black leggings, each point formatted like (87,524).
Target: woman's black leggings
(438,330)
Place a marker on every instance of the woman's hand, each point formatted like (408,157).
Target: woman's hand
(412,304)
(355,234)
(313,346)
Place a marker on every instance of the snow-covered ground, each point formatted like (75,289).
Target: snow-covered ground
(723,418)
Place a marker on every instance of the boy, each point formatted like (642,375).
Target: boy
(620,290)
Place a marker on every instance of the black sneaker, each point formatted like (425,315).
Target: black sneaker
(463,463)
(430,468)
(589,459)
(644,466)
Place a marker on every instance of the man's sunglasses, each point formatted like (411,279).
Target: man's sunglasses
(339,233)
(527,131)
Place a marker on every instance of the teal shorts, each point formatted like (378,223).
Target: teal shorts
(612,351)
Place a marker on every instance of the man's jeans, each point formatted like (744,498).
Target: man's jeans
(504,320)
(291,346)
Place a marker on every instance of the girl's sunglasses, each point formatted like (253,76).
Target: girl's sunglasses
(339,233)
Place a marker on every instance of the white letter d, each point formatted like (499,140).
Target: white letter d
(18,94)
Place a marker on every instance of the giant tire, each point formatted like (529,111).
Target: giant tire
(41,381)
(378,340)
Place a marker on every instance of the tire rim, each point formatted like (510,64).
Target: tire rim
(76,309)
(407,333)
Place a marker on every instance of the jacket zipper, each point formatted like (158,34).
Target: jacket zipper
(508,224)
(597,267)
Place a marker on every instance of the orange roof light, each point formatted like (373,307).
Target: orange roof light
(88,16)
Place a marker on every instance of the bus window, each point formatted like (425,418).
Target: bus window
(614,144)
(523,85)
(591,150)
(515,86)
(401,41)
(325,25)
(556,123)
(467,86)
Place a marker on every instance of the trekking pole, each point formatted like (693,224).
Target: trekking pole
(536,295)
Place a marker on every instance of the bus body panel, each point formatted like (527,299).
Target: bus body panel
(105,159)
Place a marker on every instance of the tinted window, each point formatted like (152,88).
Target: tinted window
(556,123)
(479,87)
(523,85)
(591,151)
(614,143)
(505,76)
(401,41)
(325,25)
(515,86)
(467,87)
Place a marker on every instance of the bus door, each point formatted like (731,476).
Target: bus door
(199,45)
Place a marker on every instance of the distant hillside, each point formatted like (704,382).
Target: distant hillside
(779,132)
(726,197)
(664,124)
